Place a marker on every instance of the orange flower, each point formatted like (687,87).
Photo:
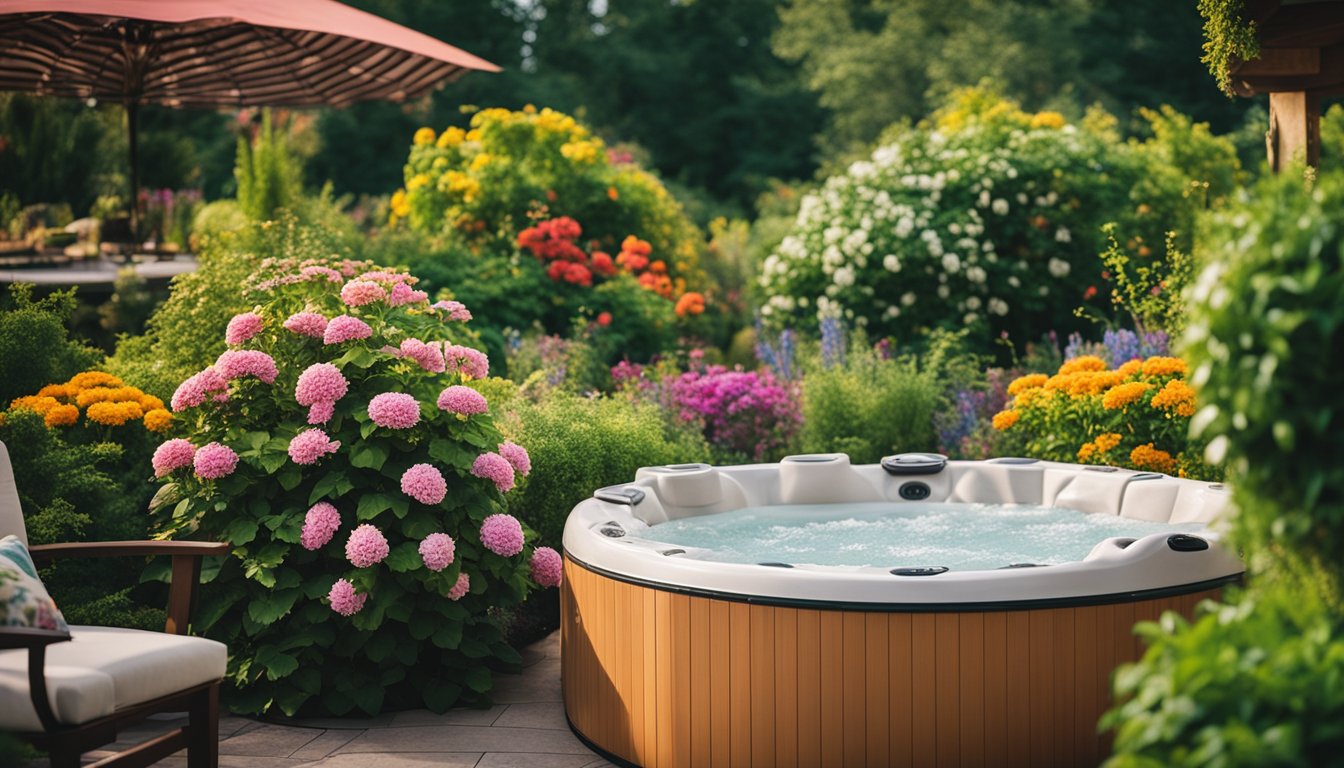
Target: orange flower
(659,266)
(613,193)
(1030,381)
(1083,363)
(94,379)
(1006,419)
(35,403)
(150,403)
(1164,366)
(58,391)
(1124,394)
(158,419)
(61,416)
(1130,368)
(690,303)
(1147,457)
(634,245)
(1176,396)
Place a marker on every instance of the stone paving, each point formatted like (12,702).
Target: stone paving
(524,729)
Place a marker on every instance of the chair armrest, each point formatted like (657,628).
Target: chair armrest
(36,642)
(42,553)
(186,567)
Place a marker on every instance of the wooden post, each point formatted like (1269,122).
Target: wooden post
(1294,129)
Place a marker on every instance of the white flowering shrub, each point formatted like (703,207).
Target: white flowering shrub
(987,218)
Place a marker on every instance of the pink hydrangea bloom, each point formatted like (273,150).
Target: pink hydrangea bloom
(357,293)
(344,599)
(318,382)
(461,588)
(548,569)
(383,276)
(314,273)
(437,551)
(424,483)
(195,389)
(366,546)
(471,363)
(343,328)
(235,364)
(242,327)
(404,294)
(321,412)
(174,454)
(307,324)
(214,460)
(517,456)
(394,410)
(427,356)
(310,445)
(462,400)
(495,468)
(456,310)
(319,525)
(502,534)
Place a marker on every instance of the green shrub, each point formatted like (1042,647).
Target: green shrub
(869,407)
(580,444)
(35,347)
(986,217)
(269,176)
(418,641)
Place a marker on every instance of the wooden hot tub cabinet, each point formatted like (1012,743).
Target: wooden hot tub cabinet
(662,678)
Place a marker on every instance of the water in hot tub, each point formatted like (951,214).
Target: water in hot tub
(962,537)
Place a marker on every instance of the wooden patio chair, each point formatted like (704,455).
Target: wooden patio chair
(70,692)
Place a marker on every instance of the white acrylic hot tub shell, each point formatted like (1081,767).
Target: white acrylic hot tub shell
(1146,565)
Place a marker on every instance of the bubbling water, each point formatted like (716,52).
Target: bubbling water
(963,537)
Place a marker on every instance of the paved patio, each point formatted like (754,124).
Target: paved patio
(524,729)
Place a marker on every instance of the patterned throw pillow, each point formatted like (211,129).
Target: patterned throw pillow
(24,602)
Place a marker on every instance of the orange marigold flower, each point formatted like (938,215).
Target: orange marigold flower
(632,244)
(1060,382)
(39,404)
(1130,368)
(1176,395)
(150,403)
(658,265)
(1092,382)
(1083,363)
(61,416)
(94,379)
(690,303)
(1124,394)
(1030,381)
(58,391)
(1107,441)
(1164,366)
(113,414)
(1147,457)
(1005,419)
(157,419)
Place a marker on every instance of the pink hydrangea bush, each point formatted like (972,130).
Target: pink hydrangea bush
(354,512)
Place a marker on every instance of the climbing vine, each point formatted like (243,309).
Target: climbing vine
(1227,38)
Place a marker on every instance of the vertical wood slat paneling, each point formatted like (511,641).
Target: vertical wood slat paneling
(663,679)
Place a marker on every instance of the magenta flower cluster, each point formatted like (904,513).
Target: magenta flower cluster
(463,401)
(495,468)
(502,534)
(547,568)
(214,460)
(319,525)
(424,483)
(242,327)
(455,310)
(235,364)
(394,410)
(404,294)
(173,455)
(344,599)
(461,588)
(366,546)
(427,356)
(749,412)
(319,387)
(470,363)
(307,324)
(343,328)
(311,445)
(437,551)
(517,456)
(198,387)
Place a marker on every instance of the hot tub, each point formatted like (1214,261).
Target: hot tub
(673,657)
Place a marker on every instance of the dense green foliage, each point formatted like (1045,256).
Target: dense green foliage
(1261,681)
(1228,38)
(580,444)
(35,347)
(269,178)
(870,408)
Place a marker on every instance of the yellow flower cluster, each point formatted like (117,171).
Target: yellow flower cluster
(1124,394)
(105,399)
(1030,381)
(1177,397)
(1164,366)
(1097,448)
(1005,419)
(1047,119)
(1147,457)
(1082,363)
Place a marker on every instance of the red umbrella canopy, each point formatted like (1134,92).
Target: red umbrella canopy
(219,53)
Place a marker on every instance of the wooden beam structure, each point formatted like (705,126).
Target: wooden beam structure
(1301,61)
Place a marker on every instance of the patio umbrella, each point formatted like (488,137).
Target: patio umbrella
(217,53)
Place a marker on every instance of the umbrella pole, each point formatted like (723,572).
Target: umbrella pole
(133,124)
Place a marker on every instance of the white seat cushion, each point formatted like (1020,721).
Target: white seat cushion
(104,669)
